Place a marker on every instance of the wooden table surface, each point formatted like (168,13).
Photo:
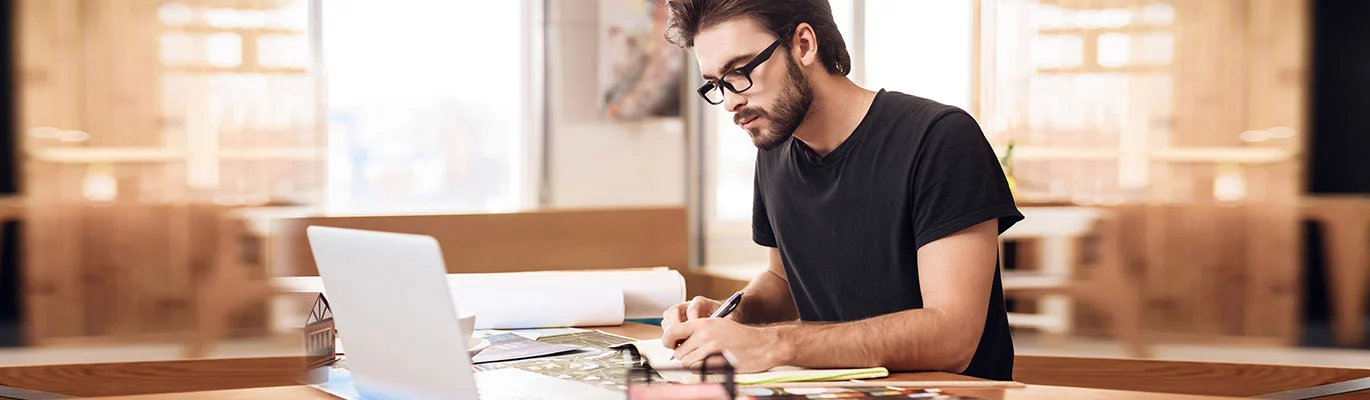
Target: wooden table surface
(282,378)
(1033,392)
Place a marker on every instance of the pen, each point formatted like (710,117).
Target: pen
(727,308)
(728,305)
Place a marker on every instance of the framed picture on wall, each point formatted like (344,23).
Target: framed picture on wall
(640,73)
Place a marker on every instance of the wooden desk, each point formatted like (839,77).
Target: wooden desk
(1205,378)
(253,378)
(1035,392)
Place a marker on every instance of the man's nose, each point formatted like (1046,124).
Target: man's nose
(733,101)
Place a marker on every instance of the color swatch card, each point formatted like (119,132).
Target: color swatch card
(509,346)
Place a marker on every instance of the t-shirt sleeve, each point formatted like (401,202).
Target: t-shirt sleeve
(957,181)
(761,222)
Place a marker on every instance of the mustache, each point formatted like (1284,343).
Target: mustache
(746,114)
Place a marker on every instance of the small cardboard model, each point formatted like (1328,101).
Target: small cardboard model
(320,338)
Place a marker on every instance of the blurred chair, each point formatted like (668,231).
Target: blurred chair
(1345,223)
(1057,283)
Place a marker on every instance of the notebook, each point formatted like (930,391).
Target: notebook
(659,357)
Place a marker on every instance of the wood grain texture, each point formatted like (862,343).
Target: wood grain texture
(1027,393)
(1047,377)
(710,285)
(525,241)
(281,392)
(118,379)
(1202,378)
(1214,270)
(140,378)
(1045,392)
(124,271)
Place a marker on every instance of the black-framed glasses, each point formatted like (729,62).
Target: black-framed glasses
(737,80)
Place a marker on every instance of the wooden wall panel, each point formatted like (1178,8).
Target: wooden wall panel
(98,277)
(121,271)
(1212,271)
(526,241)
(120,46)
(52,293)
(1230,276)
(152,284)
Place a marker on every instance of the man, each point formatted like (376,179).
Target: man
(881,210)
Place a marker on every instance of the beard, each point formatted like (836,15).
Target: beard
(790,109)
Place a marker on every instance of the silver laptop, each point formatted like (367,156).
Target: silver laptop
(391,301)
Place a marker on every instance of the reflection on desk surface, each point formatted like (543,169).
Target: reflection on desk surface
(503,384)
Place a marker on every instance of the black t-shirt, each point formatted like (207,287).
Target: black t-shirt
(849,224)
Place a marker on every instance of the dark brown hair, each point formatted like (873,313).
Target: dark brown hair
(781,17)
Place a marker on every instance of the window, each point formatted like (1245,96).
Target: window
(427,105)
(920,47)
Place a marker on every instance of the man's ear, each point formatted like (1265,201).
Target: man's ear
(804,45)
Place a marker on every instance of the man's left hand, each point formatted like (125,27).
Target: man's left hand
(755,349)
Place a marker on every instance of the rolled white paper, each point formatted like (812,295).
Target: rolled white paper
(540,299)
(541,305)
(646,293)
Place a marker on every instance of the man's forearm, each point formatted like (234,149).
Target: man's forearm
(766,300)
(912,340)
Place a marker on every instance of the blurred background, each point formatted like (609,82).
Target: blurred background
(1196,173)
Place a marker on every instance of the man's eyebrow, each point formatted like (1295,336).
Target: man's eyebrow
(729,65)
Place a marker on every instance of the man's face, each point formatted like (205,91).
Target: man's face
(779,97)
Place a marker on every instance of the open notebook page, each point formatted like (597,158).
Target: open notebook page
(659,357)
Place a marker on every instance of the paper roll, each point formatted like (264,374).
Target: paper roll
(541,305)
(646,293)
(542,299)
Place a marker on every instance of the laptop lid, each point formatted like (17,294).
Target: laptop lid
(391,302)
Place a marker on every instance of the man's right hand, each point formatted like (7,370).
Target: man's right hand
(699,307)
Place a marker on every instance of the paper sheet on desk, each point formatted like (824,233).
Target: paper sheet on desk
(659,357)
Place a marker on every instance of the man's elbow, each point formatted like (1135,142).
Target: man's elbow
(951,351)
(958,357)
(963,339)
(951,355)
